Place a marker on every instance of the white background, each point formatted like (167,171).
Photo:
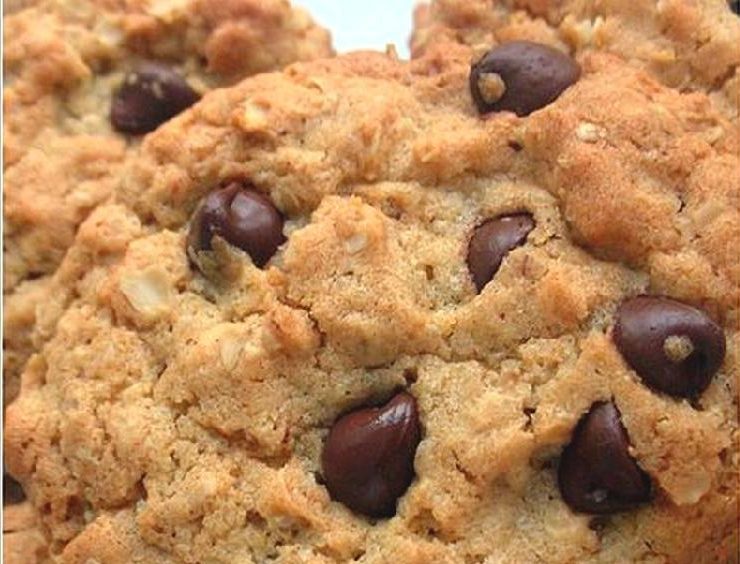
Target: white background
(364,24)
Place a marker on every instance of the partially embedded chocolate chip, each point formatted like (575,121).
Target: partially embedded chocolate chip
(596,472)
(521,77)
(148,97)
(368,458)
(490,243)
(242,217)
(673,347)
(735,6)
(12,491)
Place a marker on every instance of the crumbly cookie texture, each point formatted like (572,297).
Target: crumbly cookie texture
(181,409)
(23,542)
(64,60)
(687,44)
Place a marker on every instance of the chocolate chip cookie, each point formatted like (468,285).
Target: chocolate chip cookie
(357,311)
(84,80)
(691,45)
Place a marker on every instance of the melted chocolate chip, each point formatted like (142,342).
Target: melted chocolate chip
(244,218)
(521,77)
(148,97)
(368,458)
(673,347)
(492,241)
(12,491)
(596,472)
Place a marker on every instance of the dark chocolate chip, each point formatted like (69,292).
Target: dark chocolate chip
(242,217)
(490,243)
(673,347)
(368,458)
(735,6)
(521,77)
(148,97)
(596,472)
(12,491)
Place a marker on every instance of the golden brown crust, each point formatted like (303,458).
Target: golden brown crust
(62,159)
(690,45)
(23,542)
(174,419)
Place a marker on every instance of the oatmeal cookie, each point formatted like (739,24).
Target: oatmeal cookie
(692,45)
(376,311)
(84,79)
(23,542)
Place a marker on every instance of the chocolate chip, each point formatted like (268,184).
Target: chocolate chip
(148,97)
(596,472)
(490,243)
(12,491)
(673,347)
(735,6)
(521,77)
(245,218)
(368,458)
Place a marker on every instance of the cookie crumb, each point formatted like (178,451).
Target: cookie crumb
(491,86)
(678,348)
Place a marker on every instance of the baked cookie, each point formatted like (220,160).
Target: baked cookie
(84,79)
(691,45)
(352,312)
(23,542)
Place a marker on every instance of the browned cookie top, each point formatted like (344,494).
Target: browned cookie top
(346,313)
(690,45)
(84,79)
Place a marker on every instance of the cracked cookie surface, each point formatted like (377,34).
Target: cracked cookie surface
(64,62)
(691,45)
(23,542)
(180,411)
